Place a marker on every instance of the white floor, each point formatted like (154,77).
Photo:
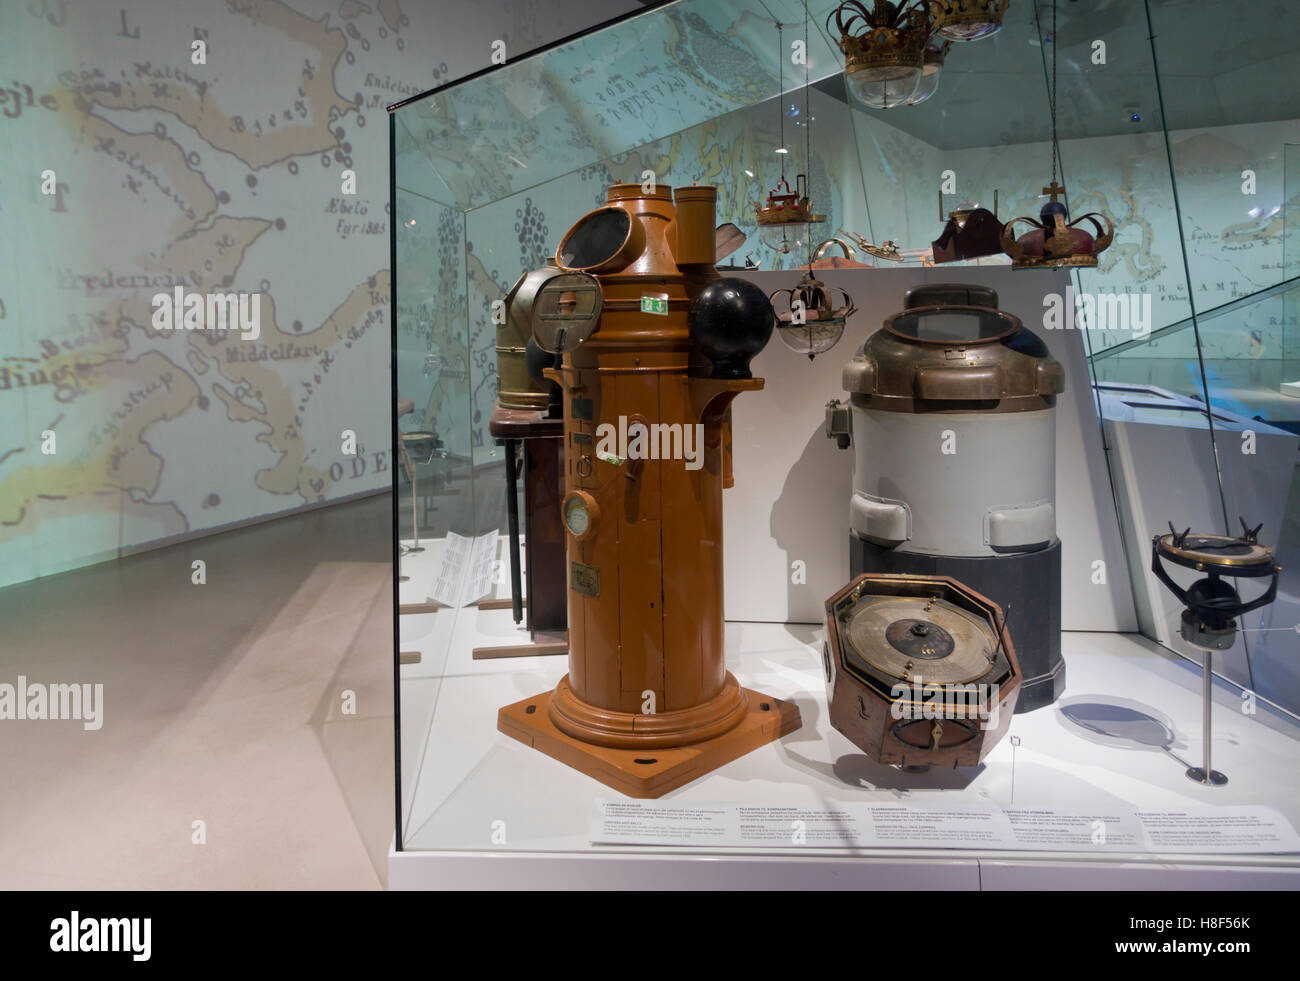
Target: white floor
(473,796)
(259,704)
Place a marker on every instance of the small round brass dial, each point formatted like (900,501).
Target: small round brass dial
(581,514)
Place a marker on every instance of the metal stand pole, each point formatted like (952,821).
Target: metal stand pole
(512,515)
(409,466)
(1206,774)
(415,519)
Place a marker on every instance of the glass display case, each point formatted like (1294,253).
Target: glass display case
(611,666)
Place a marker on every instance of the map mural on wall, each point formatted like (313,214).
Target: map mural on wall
(224,175)
(131,164)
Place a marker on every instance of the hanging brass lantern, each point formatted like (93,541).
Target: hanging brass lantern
(808,322)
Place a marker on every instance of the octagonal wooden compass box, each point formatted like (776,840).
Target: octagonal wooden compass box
(920,670)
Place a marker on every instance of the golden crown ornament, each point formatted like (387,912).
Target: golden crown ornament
(890,35)
(891,47)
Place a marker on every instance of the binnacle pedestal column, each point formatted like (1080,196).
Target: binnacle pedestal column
(647,704)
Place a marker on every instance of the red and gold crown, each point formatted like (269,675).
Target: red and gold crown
(887,36)
(788,208)
(1054,242)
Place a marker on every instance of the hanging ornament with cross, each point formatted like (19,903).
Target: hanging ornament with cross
(1053,241)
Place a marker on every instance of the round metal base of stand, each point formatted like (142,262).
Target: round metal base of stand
(1197,773)
(403,578)
(412,549)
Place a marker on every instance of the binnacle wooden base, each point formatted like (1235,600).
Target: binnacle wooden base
(649,773)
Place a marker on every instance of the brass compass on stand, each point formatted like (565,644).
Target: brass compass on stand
(1212,605)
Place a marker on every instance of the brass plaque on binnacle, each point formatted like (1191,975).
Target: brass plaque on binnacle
(905,636)
(584,579)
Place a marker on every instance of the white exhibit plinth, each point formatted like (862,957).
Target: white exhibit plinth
(483,811)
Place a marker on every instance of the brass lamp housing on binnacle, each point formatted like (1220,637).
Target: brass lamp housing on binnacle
(515,388)
(648,704)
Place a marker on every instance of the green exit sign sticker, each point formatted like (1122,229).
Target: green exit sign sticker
(656,303)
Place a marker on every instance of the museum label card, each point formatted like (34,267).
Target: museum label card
(1244,829)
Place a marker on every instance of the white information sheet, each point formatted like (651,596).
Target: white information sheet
(479,579)
(450,579)
(1242,829)
(465,569)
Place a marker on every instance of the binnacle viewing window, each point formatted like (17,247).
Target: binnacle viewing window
(595,239)
(948,325)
